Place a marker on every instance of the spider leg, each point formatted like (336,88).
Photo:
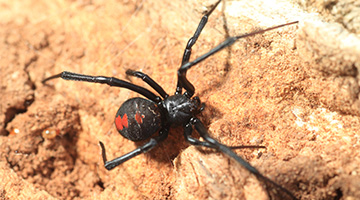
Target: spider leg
(182,80)
(105,80)
(191,42)
(226,150)
(187,134)
(149,81)
(248,147)
(109,165)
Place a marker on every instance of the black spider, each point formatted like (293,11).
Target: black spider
(138,118)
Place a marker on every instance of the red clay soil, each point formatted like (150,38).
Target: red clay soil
(294,90)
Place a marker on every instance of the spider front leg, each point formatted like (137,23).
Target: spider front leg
(187,51)
(182,80)
(109,165)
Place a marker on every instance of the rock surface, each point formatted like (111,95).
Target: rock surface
(294,90)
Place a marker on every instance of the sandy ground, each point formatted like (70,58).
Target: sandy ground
(294,90)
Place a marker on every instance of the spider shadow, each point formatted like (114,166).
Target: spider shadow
(171,147)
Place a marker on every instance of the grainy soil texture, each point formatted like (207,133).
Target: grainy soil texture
(294,90)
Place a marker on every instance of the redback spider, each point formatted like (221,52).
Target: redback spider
(138,119)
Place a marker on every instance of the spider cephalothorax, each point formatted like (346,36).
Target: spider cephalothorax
(180,108)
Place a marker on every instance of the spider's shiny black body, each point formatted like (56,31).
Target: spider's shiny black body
(180,108)
(138,118)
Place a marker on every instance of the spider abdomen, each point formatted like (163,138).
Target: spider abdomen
(137,119)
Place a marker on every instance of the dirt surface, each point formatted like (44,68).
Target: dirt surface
(294,90)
